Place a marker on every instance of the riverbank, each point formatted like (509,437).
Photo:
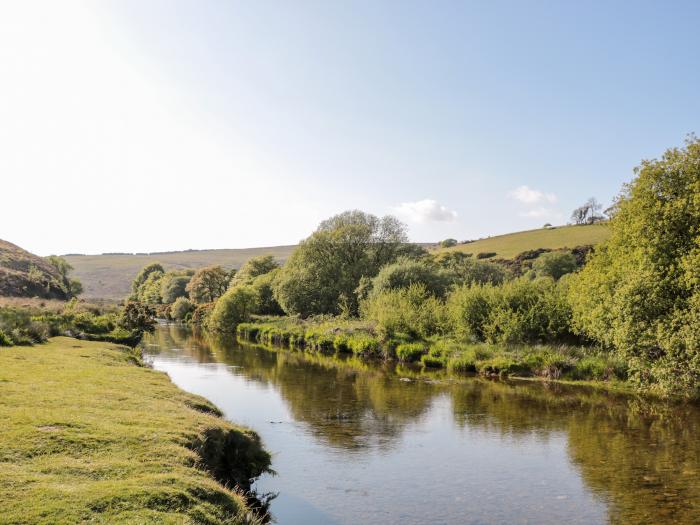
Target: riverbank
(87,434)
(550,362)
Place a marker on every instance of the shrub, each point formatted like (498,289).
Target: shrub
(405,272)
(137,317)
(555,264)
(465,270)
(363,344)
(519,311)
(180,308)
(485,255)
(409,352)
(201,313)
(413,310)
(5,339)
(234,307)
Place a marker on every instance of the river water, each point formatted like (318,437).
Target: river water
(357,443)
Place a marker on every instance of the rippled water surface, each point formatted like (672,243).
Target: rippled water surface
(356,443)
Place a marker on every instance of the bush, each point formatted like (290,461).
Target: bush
(405,272)
(5,339)
(555,264)
(413,310)
(519,311)
(137,317)
(485,255)
(180,308)
(409,352)
(465,270)
(234,307)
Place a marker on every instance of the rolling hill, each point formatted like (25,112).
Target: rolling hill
(23,274)
(510,245)
(109,276)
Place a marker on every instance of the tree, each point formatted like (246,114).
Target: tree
(234,307)
(589,213)
(174,285)
(208,284)
(323,272)
(404,272)
(72,286)
(143,275)
(555,264)
(263,287)
(254,267)
(639,294)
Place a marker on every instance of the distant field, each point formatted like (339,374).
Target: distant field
(509,245)
(110,276)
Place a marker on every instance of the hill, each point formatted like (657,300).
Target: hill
(509,245)
(109,276)
(23,274)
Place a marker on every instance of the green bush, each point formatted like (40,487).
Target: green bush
(5,339)
(519,311)
(180,308)
(413,310)
(234,307)
(405,272)
(364,344)
(409,352)
(555,264)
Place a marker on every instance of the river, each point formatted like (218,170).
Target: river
(357,443)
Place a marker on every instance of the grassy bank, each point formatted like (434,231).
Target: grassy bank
(87,435)
(332,335)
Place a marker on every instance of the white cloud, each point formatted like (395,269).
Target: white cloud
(426,210)
(527,195)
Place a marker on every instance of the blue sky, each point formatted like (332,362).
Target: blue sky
(163,125)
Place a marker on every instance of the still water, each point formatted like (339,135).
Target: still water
(357,443)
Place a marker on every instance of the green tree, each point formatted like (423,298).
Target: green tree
(639,294)
(254,267)
(404,272)
(174,285)
(555,264)
(323,272)
(232,308)
(208,284)
(72,286)
(263,287)
(143,275)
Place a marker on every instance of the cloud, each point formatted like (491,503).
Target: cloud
(426,210)
(527,195)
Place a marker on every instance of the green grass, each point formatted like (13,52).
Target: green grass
(512,244)
(110,276)
(87,435)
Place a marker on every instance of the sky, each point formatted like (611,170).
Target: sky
(141,126)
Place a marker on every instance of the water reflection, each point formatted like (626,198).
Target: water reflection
(367,443)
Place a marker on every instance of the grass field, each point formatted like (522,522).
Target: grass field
(509,245)
(110,276)
(87,436)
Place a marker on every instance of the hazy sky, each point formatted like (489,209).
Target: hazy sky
(163,125)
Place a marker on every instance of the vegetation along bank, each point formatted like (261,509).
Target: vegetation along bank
(624,309)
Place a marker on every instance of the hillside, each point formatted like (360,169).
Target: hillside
(509,245)
(109,276)
(23,274)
